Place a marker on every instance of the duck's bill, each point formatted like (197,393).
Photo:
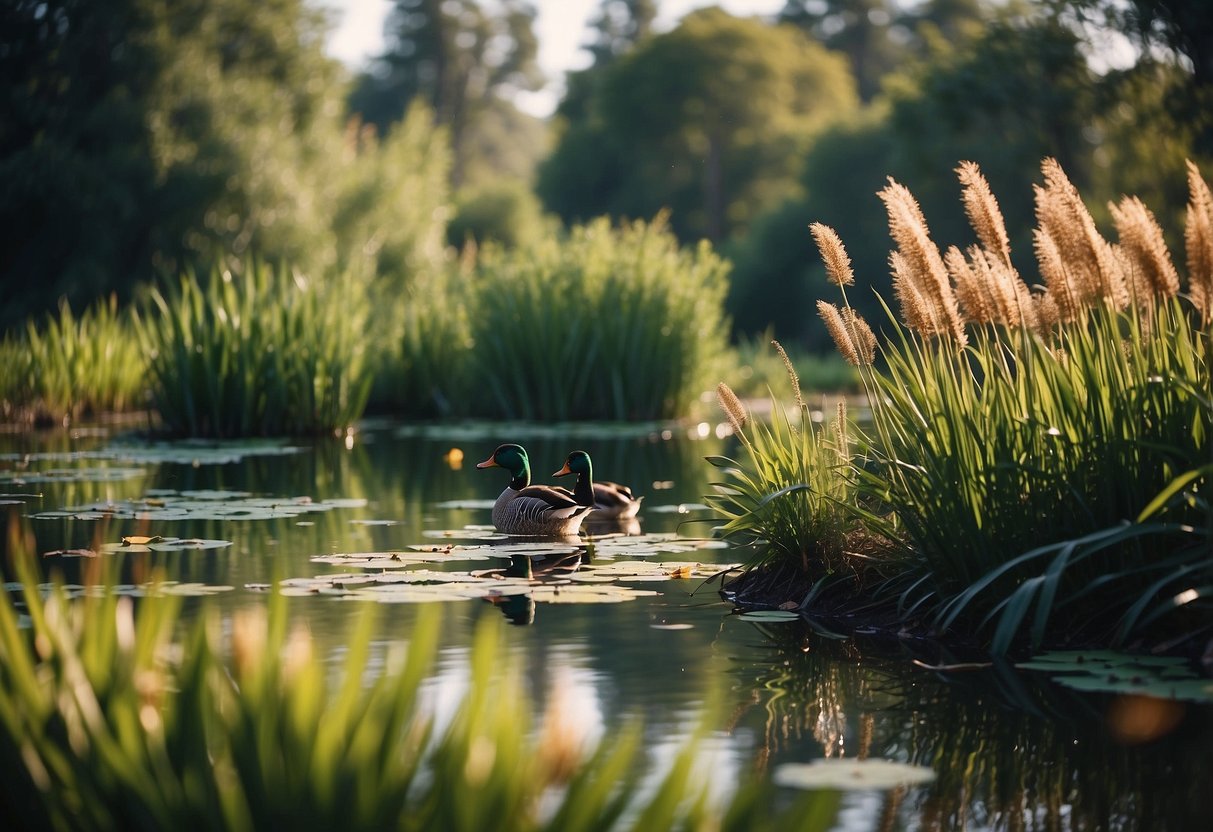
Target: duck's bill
(488,463)
(563,471)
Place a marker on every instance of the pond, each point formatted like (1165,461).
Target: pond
(631,625)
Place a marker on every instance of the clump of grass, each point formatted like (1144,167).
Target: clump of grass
(606,324)
(260,352)
(1024,438)
(112,717)
(73,366)
(794,495)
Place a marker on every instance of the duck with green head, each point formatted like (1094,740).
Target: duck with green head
(523,508)
(611,501)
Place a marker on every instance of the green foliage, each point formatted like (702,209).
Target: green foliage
(794,494)
(759,370)
(115,719)
(261,352)
(505,212)
(608,324)
(708,120)
(1015,465)
(71,367)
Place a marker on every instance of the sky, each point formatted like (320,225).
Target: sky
(561,28)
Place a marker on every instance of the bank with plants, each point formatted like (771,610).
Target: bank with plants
(1036,468)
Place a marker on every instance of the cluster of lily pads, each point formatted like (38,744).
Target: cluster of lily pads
(169,505)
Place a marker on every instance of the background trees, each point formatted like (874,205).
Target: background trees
(709,120)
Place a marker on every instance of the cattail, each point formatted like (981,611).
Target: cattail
(924,266)
(1198,237)
(861,334)
(1142,244)
(787,365)
(732,406)
(834,254)
(838,331)
(984,214)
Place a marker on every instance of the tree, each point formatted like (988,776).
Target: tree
(709,120)
(1180,29)
(458,57)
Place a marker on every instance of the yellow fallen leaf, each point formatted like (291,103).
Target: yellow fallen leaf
(683,571)
(140,540)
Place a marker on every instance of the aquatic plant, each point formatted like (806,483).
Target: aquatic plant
(117,717)
(264,351)
(1041,454)
(1024,463)
(73,366)
(794,493)
(610,323)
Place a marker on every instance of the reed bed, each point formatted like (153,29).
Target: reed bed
(263,352)
(73,366)
(606,324)
(1042,453)
(114,715)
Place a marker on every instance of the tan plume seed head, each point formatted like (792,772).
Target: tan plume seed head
(984,214)
(834,254)
(1064,293)
(862,337)
(1091,264)
(921,263)
(1141,243)
(1045,315)
(792,377)
(970,291)
(1198,239)
(841,439)
(915,311)
(734,410)
(838,331)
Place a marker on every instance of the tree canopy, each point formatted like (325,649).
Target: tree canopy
(710,120)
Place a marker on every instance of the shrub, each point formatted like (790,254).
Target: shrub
(504,212)
(261,352)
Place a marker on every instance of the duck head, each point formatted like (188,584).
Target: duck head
(578,462)
(512,458)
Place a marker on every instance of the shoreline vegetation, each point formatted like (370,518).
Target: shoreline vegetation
(1032,465)
(1035,472)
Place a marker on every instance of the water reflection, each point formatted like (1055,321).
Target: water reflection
(1009,753)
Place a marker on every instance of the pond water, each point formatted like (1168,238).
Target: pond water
(1009,749)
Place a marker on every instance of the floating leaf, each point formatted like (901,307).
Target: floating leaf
(769,615)
(851,775)
(71,475)
(138,543)
(70,553)
(1105,671)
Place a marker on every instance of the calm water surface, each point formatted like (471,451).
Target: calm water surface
(1010,751)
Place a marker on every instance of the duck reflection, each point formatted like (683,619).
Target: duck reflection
(519,608)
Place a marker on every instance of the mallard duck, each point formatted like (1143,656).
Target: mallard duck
(523,508)
(609,499)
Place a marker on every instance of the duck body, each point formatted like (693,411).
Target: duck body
(610,500)
(528,509)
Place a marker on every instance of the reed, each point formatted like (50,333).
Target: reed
(1042,455)
(117,716)
(264,351)
(73,366)
(610,323)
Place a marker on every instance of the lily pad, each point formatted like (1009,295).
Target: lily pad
(769,616)
(86,474)
(207,504)
(1105,671)
(851,775)
(162,544)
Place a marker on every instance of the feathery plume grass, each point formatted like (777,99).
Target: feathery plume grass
(833,254)
(1198,238)
(1088,256)
(1142,245)
(732,407)
(792,376)
(984,214)
(920,262)
(838,331)
(862,337)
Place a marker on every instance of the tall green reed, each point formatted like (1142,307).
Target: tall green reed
(606,324)
(265,351)
(114,716)
(73,366)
